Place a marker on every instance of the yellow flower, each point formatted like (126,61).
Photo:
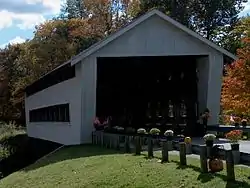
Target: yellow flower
(187,140)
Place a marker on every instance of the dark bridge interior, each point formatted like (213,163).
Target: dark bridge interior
(148,92)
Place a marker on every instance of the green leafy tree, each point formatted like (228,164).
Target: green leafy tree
(73,9)
(210,16)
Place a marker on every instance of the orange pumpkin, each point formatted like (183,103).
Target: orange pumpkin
(215,165)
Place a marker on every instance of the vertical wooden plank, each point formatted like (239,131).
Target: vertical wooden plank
(164,152)
(127,144)
(111,141)
(183,158)
(97,137)
(230,165)
(203,158)
(150,147)
(138,145)
(106,140)
(101,137)
(93,137)
(118,142)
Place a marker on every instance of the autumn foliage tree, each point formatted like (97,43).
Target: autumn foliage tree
(84,22)
(236,86)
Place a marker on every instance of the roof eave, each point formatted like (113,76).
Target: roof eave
(104,42)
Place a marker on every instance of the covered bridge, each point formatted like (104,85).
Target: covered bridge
(153,72)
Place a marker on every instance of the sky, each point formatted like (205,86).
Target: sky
(18,18)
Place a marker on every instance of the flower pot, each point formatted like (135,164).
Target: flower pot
(244,123)
(169,138)
(215,165)
(209,143)
(235,147)
(141,134)
(155,136)
(181,139)
(236,124)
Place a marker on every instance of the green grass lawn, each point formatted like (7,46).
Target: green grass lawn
(89,166)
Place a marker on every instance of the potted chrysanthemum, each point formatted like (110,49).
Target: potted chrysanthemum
(234,137)
(209,139)
(141,131)
(154,131)
(169,134)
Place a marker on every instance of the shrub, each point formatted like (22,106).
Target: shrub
(4,153)
(12,139)
(141,131)
(9,129)
(18,150)
(154,131)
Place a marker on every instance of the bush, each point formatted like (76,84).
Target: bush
(154,131)
(18,150)
(12,138)
(13,144)
(10,129)
(4,153)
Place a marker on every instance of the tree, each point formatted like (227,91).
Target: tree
(180,10)
(209,16)
(236,86)
(73,9)
(10,72)
(213,19)
(106,16)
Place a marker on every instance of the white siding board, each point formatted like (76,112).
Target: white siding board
(68,91)
(154,37)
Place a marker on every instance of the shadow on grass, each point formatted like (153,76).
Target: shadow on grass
(70,153)
(206,177)
(82,151)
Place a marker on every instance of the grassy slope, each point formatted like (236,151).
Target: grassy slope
(88,166)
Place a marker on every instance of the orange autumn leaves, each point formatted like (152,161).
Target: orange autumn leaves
(236,85)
